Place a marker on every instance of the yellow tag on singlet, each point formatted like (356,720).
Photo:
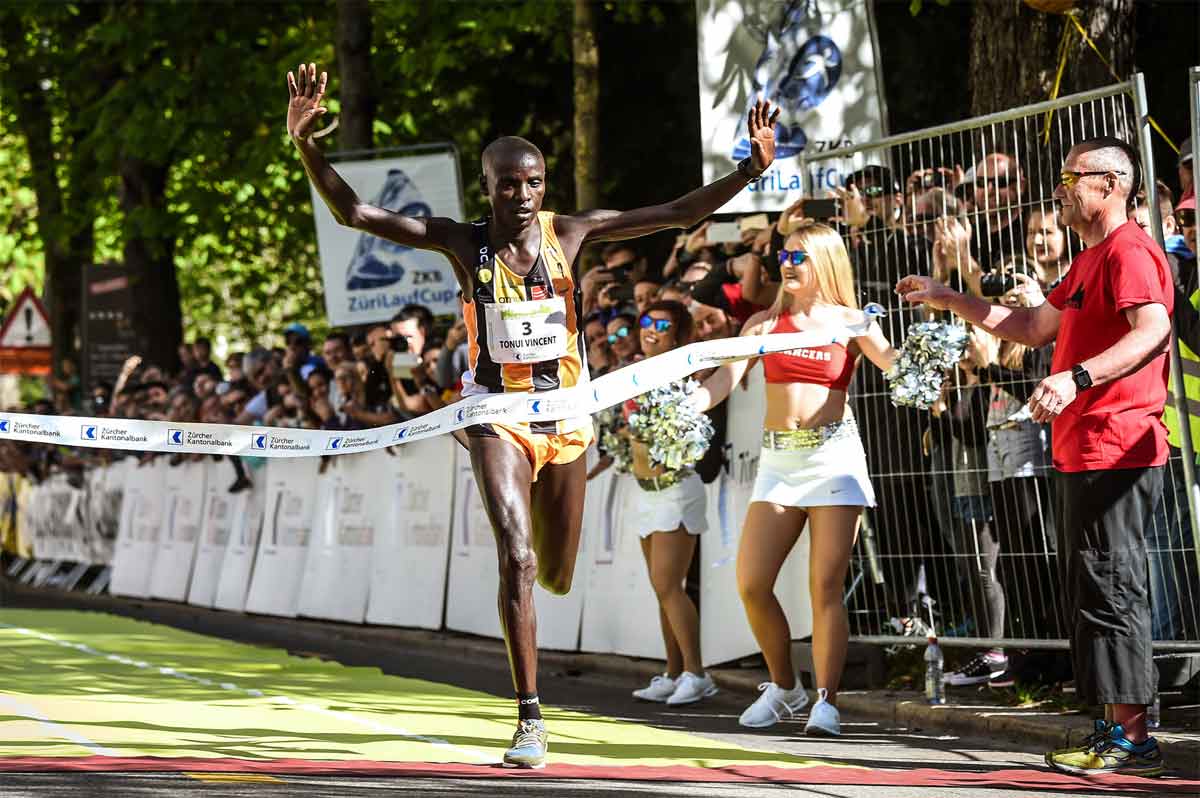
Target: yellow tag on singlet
(527,332)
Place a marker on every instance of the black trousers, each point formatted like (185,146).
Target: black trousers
(1103,518)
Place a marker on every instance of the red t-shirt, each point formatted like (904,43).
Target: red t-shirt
(1118,424)
(739,307)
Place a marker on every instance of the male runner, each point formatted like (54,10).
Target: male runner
(522,308)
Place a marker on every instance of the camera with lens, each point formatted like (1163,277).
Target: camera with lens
(403,360)
(996,284)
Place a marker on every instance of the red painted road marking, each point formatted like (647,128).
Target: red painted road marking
(818,774)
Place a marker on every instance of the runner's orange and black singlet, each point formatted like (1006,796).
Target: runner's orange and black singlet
(523,331)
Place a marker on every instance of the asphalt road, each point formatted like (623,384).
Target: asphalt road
(994,769)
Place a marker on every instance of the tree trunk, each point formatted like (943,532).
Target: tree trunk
(149,250)
(587,96)
(67,246)
(1014,51)
(357,118)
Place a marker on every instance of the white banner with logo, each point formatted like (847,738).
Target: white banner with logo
(234,581)
(59,513)
(290,510)
(337,570)
(408,573)
(221,511)
(367,278)
(816,60)
(141,523)
(183,515)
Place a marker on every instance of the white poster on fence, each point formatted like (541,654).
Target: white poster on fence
(351,505)
(60,520)
(408,575)
(183,516)
(106,490)
(233,583)
(141,523)
(724,633)
(368,279)
(287,526)
(221,510)
(474,575)
(620,615)
(813,59)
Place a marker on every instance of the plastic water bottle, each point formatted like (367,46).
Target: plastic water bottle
(1153,711)
(935,691)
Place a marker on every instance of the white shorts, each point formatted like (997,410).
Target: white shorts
(685,503)
(833,473)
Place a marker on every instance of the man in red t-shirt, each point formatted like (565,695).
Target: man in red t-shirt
(1110,318)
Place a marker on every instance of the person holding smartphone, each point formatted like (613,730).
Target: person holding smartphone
(517,272)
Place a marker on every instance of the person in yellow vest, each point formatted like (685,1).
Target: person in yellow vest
(522,306)
(1173,613)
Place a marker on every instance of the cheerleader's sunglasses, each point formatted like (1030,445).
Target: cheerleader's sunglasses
(622,332)
(793,257)
(660,325)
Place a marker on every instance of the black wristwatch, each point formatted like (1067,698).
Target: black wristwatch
(743,168)
(1083,380)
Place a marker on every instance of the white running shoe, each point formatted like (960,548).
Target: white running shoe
(690,688)
(770,707)
(659,689)
(823,719)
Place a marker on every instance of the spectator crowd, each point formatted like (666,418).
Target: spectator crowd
(967,480)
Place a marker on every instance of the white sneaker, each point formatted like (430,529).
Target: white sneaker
(659,689)
(690,688)
(823,719)
(770,707)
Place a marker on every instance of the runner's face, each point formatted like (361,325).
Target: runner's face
(515,189)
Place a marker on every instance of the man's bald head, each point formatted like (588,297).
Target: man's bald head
(508,152)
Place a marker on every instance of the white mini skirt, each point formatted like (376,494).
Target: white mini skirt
(833,472)
(684,503)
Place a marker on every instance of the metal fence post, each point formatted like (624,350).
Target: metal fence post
(1194,105)
(1149,178)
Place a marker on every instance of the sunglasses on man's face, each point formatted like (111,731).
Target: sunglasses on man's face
(659,325)
(793,257)
(1069,178)
(621,333)
(999,181)
(1185,217)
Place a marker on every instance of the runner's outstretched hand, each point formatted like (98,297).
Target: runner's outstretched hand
(761,125)
(306,92)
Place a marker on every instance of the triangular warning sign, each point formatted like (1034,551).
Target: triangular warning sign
(27,325)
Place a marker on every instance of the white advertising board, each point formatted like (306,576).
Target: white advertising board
(291,504)
(183,516)
(141,523)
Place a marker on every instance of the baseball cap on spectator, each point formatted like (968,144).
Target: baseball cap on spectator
(1185,152)
(297,329)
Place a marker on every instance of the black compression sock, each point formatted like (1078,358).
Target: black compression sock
(528,707)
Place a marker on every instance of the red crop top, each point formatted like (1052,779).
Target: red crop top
(830,365)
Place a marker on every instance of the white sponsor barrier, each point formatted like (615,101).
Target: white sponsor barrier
(106,491)
(222,509)
(238,562)
(475,579)
(183,515)
(408,573)
(291,502)
(59,515)
(137,535)
(337,570)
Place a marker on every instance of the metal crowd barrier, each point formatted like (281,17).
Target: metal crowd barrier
(955,486)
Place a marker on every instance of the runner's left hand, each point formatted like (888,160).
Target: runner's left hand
(761,124)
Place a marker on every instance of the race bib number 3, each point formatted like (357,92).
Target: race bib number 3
(527,332)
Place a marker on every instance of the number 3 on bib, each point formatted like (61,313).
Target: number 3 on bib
(527,332)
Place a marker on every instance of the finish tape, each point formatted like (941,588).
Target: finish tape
(497,408)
